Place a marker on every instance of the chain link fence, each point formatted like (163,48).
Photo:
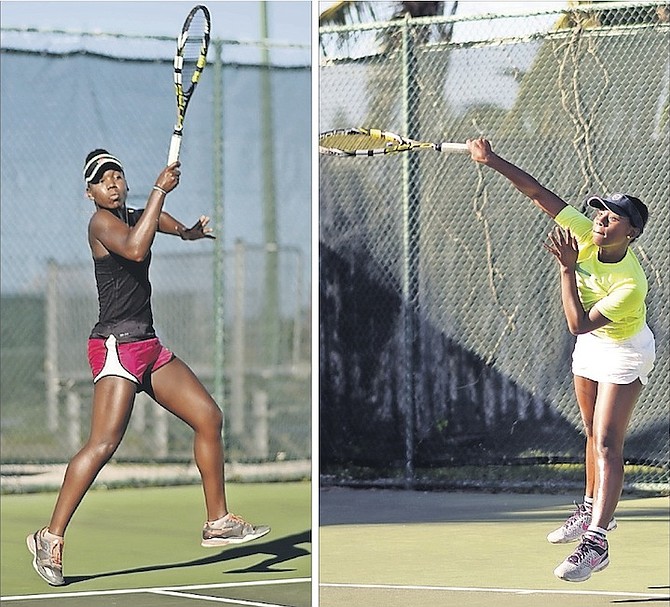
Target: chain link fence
(236,309)
(442,339)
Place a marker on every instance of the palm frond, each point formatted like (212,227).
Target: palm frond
(348,12)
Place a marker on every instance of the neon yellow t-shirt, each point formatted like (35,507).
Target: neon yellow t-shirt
(617,290)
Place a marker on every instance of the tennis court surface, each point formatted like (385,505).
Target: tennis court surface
(141,548)
(399,548)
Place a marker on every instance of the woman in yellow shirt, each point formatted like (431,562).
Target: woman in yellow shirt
(603,291)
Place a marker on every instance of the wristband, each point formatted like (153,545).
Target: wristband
(159,189)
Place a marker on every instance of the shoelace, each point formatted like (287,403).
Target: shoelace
(55,549)
(233,518)
(582,551)
(225,520)
(57,552)
(574,518)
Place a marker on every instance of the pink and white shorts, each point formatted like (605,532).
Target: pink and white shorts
(131,361)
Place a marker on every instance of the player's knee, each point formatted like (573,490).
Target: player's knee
(102,450)
(216,420)
(608,450)
(211,421)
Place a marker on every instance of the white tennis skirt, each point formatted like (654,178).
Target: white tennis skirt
(615,362)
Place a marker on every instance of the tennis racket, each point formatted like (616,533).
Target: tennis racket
(373,142)
(189,61)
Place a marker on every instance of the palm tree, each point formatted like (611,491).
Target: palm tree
(350,12)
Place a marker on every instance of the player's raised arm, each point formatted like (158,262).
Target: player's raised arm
(550,203)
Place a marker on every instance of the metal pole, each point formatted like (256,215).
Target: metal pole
(218,217)
(297,317)
(237,422)
(51,347)
(411,236)
(271,295)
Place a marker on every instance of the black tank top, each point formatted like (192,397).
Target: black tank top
(124,295)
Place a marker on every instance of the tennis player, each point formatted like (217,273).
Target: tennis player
(603,291)
(126,357)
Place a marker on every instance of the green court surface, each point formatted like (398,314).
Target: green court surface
(141,547)
(399,548)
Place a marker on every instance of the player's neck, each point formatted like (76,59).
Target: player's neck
(612,254)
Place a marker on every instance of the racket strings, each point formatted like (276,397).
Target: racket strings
(353,142)
(194,47)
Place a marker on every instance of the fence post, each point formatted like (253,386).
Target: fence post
(261,432)
(51,346)
(411,241)
(138,420)
(161,433)
(219,243)
(237,354)
(297,320)
(73,406)
(271,293)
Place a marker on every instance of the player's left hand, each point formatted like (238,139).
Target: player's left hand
(563,246)
(198,231)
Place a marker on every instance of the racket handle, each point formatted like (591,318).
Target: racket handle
(175,145)
(454,148)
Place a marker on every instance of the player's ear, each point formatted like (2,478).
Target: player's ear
(88,193)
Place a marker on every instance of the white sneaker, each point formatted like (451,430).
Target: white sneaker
(231,529)
(575,526)
(47,556)
(590,556)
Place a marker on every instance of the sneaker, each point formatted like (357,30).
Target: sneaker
(231,529)
(48,556)
(575,526)
(590,556)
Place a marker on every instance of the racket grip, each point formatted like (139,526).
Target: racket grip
(175,145)
(454,148)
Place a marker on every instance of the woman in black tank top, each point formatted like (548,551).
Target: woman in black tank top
(120,240)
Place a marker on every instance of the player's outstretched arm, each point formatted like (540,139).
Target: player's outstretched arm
(550,203)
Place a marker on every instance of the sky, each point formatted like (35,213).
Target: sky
(289,20)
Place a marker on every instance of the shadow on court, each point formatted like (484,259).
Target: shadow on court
(343,506)
(657,601)
(281,550)
(646,601)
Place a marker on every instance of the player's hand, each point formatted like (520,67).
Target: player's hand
(168,179)
(198,231)
(563,246)
(480,149)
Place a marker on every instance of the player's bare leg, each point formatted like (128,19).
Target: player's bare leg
(178,389)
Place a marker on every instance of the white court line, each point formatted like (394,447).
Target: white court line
(214,599)
(645,595)
(28,597)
